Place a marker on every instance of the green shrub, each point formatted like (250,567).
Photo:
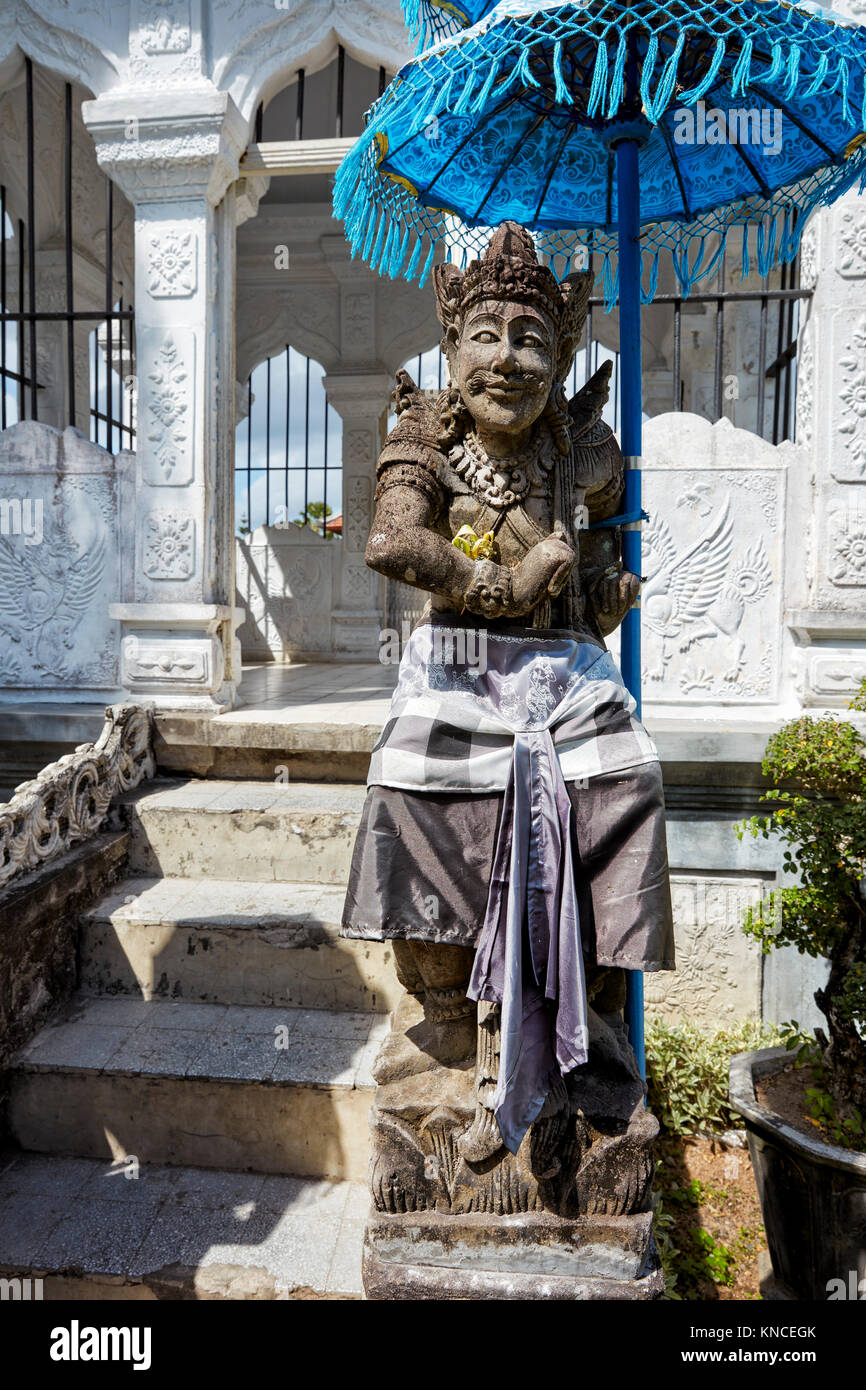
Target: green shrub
(817,809)
(687,1073)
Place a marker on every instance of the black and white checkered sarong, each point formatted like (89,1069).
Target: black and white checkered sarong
(463,694)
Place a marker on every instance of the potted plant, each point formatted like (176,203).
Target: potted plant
(805,1104)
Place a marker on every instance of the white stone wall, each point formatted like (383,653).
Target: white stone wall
(286,580)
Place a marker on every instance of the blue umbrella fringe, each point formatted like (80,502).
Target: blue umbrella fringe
(382,240)
(647,71)
(617,85)
(439,71)
(412,267)
(427,264)
(386,224)
(819,77)
(492,75)
(664,90)
(562,93)
(742,69)
(429,21)
(599,81)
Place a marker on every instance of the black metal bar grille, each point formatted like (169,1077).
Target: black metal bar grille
(781,369)
(347,102)
(341,86)
(111,421)
(287,450)
(299,109)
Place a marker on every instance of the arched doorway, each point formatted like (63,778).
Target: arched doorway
(319,406)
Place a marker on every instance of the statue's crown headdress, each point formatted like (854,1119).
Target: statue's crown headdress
(509,269)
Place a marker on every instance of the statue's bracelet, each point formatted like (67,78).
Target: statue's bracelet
(489,593)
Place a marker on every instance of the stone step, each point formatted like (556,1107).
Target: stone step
(95,1230)
(317,720)
(258,831)
(273,1090)
(228,942)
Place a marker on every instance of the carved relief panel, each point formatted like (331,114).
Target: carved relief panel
(357,518)
(711,603)
(835,678)
(172,263)
(846,546)
(169,545)
(718,974)
(852,243)
(60,560)
(358,322)
(849,355)
(285,586)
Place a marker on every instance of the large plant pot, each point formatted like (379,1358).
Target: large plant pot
(812,1194)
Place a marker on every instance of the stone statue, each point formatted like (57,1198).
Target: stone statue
(512,845)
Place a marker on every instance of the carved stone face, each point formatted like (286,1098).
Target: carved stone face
(503,364)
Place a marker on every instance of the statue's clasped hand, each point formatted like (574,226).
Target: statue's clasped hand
(497,591)
(542,572)
(612,594)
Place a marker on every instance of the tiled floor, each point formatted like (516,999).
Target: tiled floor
(315,692)
(114,1220)
(311,1047)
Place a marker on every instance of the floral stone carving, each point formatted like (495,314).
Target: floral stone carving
(169,458)
(852,393)
(848,548)
(172,264)
(852,235)
(169,547)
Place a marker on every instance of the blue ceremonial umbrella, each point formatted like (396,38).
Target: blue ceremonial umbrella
(634,130)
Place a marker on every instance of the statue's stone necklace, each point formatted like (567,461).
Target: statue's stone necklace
(501,482)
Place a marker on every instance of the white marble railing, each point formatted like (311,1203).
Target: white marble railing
(69,800)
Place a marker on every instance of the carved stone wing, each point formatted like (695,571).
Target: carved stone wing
(83,579)
(660,546)
(598,461)
(18,569)
(411,402)
(586,406)
(698,576)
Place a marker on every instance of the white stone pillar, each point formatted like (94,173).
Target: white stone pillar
(175,156)
(829,618)
(361,400)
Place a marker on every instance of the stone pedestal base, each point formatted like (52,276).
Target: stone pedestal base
(532,1255)
(174,654)
(456,1216)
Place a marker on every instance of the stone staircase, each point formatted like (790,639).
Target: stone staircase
(196,1124)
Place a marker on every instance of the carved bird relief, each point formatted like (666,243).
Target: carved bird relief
(681,589)
(46,590)
(697,594)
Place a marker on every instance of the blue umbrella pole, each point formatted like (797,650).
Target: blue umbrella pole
(628,201)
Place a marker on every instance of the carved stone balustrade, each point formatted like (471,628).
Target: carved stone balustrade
(69,800)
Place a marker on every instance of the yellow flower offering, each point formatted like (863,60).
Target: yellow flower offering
(476,547)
